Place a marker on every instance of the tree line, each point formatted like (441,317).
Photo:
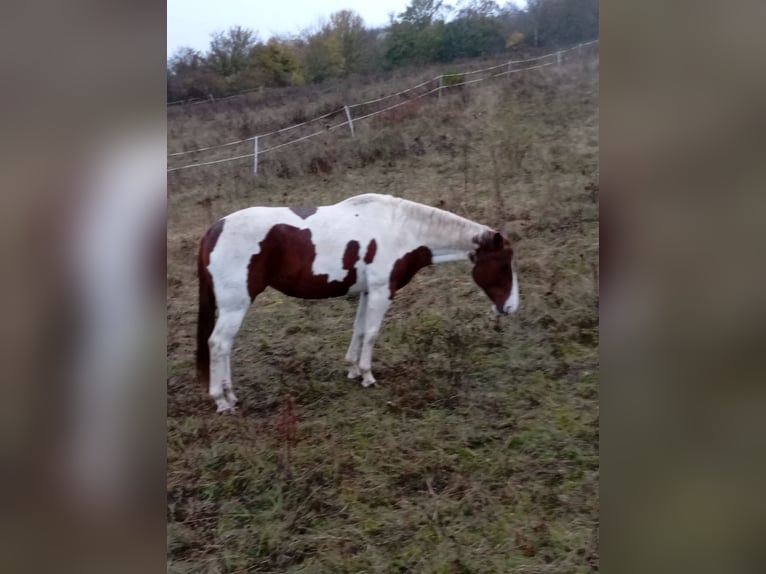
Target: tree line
(427,31)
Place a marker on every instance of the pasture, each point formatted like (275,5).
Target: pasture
(478,449)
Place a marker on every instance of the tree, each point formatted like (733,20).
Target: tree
(277,63)
(476,31)
(514,26)
(417,36)
(348,29)
(478,9)
(185,59)
(560,22)
(536,13)
(189,75)
(230,51)
(575,21)
(323,56)
(422,13)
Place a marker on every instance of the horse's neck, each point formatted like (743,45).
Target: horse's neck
(448,236)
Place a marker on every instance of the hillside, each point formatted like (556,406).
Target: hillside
(478,449)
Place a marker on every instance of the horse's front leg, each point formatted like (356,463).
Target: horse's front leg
(352,356)
(378,303)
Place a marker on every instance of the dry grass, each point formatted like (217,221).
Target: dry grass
(478,451)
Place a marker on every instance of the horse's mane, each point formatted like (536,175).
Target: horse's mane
(429,221)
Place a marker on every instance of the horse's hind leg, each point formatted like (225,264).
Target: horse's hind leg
(226,327)
(352,356)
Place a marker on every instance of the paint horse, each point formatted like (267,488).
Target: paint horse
(369,244)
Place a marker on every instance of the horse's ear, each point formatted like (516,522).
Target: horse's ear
(472,256)
(497,240)
(488,239)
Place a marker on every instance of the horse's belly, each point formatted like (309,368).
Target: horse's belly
(300,265)
(303,283)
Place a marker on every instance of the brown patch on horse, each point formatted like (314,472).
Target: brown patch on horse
(285,261)
(304,212)
(372,249)
(207,302)
(212,235)
(405,267)
(492,269)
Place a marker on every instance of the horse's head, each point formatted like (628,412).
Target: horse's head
(494,270)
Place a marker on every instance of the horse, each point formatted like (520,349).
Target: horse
(370,244)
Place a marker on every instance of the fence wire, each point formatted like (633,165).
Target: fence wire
(440,87)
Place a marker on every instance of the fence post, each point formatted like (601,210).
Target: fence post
(510,67)
(441,84)
(255,157)
(558,57)
(350,121)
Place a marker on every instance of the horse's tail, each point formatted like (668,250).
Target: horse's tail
(207,308)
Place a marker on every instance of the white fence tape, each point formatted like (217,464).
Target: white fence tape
(211,162)
(347,109)
(375,113)
(520,70)
(375,101)
(279,131)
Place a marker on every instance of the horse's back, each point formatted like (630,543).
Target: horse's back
(331,225)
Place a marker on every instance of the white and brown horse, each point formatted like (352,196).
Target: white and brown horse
(369,244)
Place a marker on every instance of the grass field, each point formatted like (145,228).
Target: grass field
(478,450)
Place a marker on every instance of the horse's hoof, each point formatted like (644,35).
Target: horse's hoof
(354,373)
(369,383)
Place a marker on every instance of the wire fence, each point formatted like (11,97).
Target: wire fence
(510,68)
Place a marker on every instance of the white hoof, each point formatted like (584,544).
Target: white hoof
(231,398)
(354,373)
(368,382)
(224,406)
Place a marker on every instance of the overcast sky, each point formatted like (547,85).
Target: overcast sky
(190,22)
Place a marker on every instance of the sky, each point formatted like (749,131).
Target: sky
(190,22)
